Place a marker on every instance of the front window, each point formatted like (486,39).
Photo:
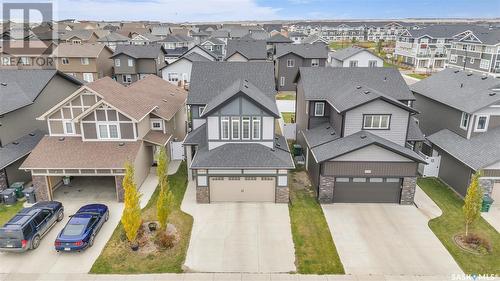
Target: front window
(69,128)
(319,109)
(315,62)
(245,128)
(117,62)
(108,131)
(256,128)
(353,63)
(85,61)
(130,62)
(464,122)
(65,61)
(173,77)
(156,125)
(372,63)
(376,122)
(290,63)
(482,123)
(485,64)
(88,77)
(235,128)
(225,128)
(127,78)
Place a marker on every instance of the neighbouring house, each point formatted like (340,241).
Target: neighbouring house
(246,50)
(289,57)
(200,36)
(477,50)
(297,37)
(15,55)
(460,115)
(233,142)
(173,41)
(134,62)
(144,39)
(25,95)
(221,34)
(86,61)
(274,40)
(314,39)
(79,36)
(102,126)
(179,71)
(353,124)
(215,46)
(113,39)
(355,57)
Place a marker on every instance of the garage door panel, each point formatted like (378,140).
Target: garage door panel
(242,189)
(366,192)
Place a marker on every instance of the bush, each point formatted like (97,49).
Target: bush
(478,241)
(164,240)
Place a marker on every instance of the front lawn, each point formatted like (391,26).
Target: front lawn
(8,211)
(285,96)
(417,75)
(288,116)
(118,258)
(315,252)
(451,222)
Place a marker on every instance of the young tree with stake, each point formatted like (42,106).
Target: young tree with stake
(131,217)
(472,202)
(165,198)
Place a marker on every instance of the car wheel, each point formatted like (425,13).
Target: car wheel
(36,242)
(91,241)
(106,218)
(60,215)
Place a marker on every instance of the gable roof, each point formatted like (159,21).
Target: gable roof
(279,38)
(84,34)
(439,30)
(250,49)
(459,89)
(303,50)
(139,51)
(85,50)
(209,79)
(113,37)
(348,87)
(313,39)
(214,41)
(21,87)
(195,57)
(11,152)
(485,35)
(348,52)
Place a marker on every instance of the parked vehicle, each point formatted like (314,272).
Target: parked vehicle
(26,229)
(82,228)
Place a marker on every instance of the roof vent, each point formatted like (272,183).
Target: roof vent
(358,87)
(15,142)
(332,133)
(246,80)
(366,92)
(385,78)
(492,94)
(469,74)
(121,144)
(3,84)
(246,86)
(61,138)
(172,94)
(31,134)
(272,149)
(484,78)
(277,144)
(328,128)
(363,136)
(456,71)
(164,100)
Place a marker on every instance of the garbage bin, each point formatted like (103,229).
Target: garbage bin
(18,187)
(487,201)
(29,193)
(297,150)
(9,196)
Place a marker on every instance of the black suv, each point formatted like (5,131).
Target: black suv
(25,230)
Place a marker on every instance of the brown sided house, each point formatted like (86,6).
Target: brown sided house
(101,126)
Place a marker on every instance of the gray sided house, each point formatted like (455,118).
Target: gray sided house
(460,115)
(354,126)
(233,152)
(24,95)
(134,62)
(289,57)
(241,50)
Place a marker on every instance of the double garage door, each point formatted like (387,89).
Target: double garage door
(242,189)
(367,190)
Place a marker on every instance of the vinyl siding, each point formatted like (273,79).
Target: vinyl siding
(454,173)
(369,169)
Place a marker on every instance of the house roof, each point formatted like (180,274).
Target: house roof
(11,152)
(214,41)
(279,38)
(177,52)
(113,37)
(248,90)
(348,87)
(358,140)
(348,52)
(296,34)
(84,50)
(73,153)
(194,56)
(250,49)
(148,36)
(84,34)
(303,50)
(440,30)
(139,51)
(256,35)
(209,79)
(244,156)
(414,132)
(486,36)
(320,134)
(197,136)
(157,137)
(313,38)
(220,33)
(459,89)
(21,87)
(477,152)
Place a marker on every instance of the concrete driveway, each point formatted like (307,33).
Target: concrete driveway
(238,237)
(387,239)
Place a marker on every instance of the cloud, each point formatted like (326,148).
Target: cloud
(165,10)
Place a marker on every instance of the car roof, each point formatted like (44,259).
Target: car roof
(21,218)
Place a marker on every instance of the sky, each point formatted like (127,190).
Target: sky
(235,10)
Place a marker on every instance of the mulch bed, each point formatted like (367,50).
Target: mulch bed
(473,248)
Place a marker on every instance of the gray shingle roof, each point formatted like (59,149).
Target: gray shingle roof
(314,38)
(313,51)
(194,56)
(348,87)
(113,37)
(414,132)
(459,89)
(215,41)
(139,51)
(20,87)
(244,156)
(198,136)
(296,34)
(487,36)
(220,33)
(348,52)
(440,30)
(19,148)
(256,35)
(341,146)
(477,152)
(209,79)
(319,135)
(279,38)
(250,49)
(84,34)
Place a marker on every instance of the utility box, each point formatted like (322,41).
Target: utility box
(9,196)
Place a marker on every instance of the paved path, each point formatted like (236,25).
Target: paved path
(425,204)
(173,166)
(493,217)
(286,105)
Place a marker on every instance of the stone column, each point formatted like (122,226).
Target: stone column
(326,185)
(120,192)
(282,194)
(486,185)
(3,179)
(41,187)
(408,190)
(202,194)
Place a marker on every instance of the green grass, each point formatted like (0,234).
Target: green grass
(118,258)
(287,117)
(8,211)
(285,96)
(451,222)
(315,252)
(417,75)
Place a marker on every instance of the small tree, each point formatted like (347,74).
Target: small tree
(131,217)
(473,201)
(379,46)
(165,197)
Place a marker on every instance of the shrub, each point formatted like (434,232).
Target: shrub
(165,240)
(478,241)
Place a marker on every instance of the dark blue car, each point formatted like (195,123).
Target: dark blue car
(82,227)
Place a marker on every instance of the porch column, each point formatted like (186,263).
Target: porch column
(41,186)
(326,185)
(408,190)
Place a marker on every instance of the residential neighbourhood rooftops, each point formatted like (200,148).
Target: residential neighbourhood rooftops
(195,57)
(303,50)
(214,41)
(139,51)
(320,134)
(440,30)
(279,38)
(250,49)
(459,89)
(11,152)
(113,37)
(84,34)
(84,50)
(347,52)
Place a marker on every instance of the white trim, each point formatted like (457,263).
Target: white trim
(322,103)
(156,120)
(233,127)
(476,129)
(248,120)
(462,120)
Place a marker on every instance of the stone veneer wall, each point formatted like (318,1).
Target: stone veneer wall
(3,179)
(120,192)
(408,191)
(487,185)
(202,194)
(326,185)
(282,194)
(41,188)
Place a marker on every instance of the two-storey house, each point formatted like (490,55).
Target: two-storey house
(274,40)
(241,50)
(24,95)
(215,46)
(179,71)
(354,125)
(79,36)
(233,151)
(355,56)
(460,115)
(289,57)
(134,62)
(103,125)
(113,39)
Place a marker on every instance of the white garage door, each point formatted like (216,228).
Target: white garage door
(242,189)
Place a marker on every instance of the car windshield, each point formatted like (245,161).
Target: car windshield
(74,229)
